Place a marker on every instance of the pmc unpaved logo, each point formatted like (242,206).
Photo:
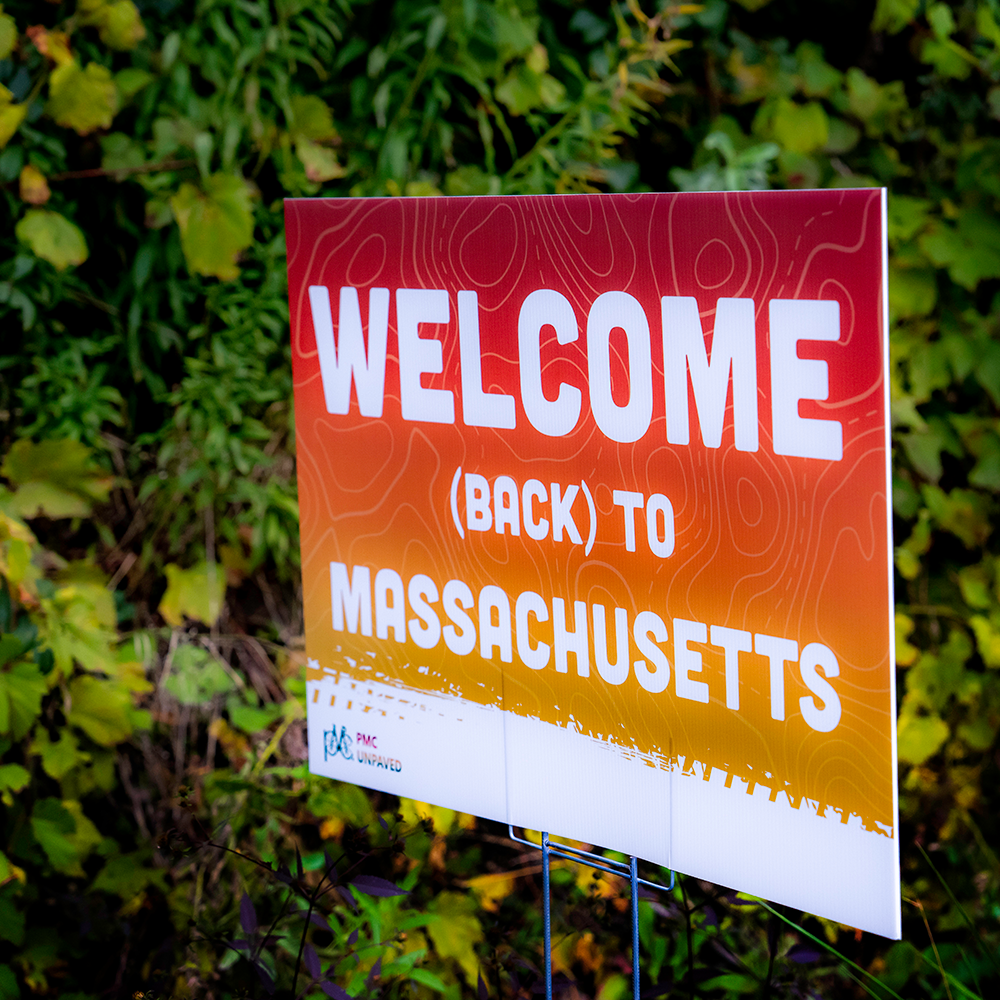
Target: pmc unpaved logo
(334,744)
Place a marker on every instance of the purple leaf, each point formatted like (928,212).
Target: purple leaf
(803,953)
(348,897)
(312,961)
(265,978)
(319,920)
(353,939)
(376,971)
(239,945)
(248,915)
(382,822)
(372,885)
(484,993)
(334,991)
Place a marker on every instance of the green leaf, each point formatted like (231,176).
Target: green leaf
(101,708)
(965,513)
(21,691)
(196,676)
(216,224)
(799,128)
(975,586)
(9,989)
(978,734)
(818,77)
(52,237)
(894,15)
(877,106)
(131,80)
(190,594)
(127,875)
(906,216)
(427,978)
(732,982)
(911,292)
(82,99)
(59,757)
(970,249)
(251,719)
(340,800)
(11,918)
(11,647)
(64,833)
(919,737)
(13,778)
(615,987)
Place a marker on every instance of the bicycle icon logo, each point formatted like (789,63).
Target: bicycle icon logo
(334,744)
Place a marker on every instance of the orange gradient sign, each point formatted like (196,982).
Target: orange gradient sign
(595,523)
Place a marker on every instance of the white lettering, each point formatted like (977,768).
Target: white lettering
(794,378)
(544,307)
(479,409)
(734,347)
(567,642)
(733,641)
(419,357)
(827,718)
(529,603)
(777,651)
(353,600)
(351,361)
(611,311)
(688,661)
(647,624)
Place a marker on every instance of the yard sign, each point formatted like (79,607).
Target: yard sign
(595,523)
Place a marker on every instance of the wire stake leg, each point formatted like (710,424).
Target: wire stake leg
(599,863)
(547,916)
(633,871)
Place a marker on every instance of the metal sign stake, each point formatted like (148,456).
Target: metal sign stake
(628,870)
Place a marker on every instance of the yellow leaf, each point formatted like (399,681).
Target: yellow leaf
(442,820)
(191,594)
(919,736)
(490,890)
(11,116)
(311,119)
(101,709)
(54,44)
(82,99)
(234,744)
(455,931)
(118,23)
(320,162)
(63,464)
(33,187)
(10,871)
(905,653)
(52,237)
(216,224)
(8,34)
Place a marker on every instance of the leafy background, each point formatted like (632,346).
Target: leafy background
(160,834)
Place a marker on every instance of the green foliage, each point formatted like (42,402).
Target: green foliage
(150,669)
